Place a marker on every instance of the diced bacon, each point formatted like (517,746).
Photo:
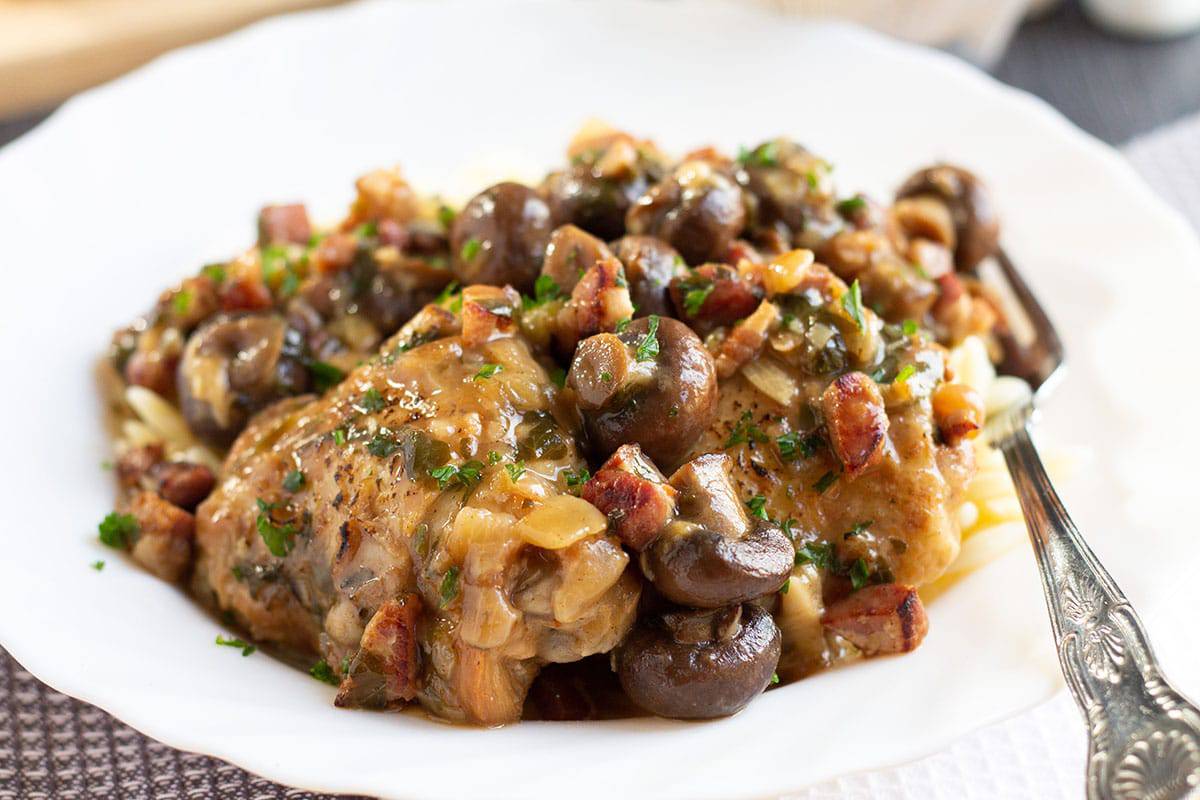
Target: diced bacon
(856,420)
(334,253)
(746,339)
(634,495)
(382,194)
(881,619)
(245,293)
(727,297)
(487,313)
(386,671)
(165,533)
(287,224)
(598,302)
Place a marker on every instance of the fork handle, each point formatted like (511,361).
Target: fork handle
(1144,735)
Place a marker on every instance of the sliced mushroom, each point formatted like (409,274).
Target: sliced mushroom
(654,384)
(232,368)
(697,209)
(699,664)
(695,566)
(500,237)
(707,497)
(789,185)
(977,230)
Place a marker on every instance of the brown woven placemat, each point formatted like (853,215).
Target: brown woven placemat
(52,746)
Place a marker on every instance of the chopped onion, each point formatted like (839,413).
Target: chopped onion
(771,379)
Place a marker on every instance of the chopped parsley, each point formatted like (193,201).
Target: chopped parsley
(860,575)
(906,372)
(798,445)
(493,457)
(467,475)
(244,646)
(214,272)
(98,565)
(758,506)
(293,481)
(559,376)
(470,249)
(182,301)
(279,539)
(515,470)
(909,326)
(545,289)
(825,481)
(820,554)
(382,445)
(774,677)
(576,478)
(858,529)
(367,230)
(487,371)
(118,530)
(324,673)
(606,376)
(694,299)
(852,302)
(449,588)
(339,437)
(648,349)
(445,216)
(851,206)
(622,325)
(324,374)
(447,291)
(371,401)
(765,155)
(745,431)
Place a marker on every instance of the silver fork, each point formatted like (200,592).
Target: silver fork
(1143,734)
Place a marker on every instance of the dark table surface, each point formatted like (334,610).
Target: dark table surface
(53,746)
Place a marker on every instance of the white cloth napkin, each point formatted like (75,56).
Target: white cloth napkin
(1041,753)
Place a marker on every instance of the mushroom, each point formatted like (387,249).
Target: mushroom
(977,230)
(500,237)
(788,184)
(232,368)
(654,383)
(650,265)
(570,253)
(697,209)
(696,566)
(699,664)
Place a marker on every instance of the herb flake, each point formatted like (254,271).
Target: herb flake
(245,647)
(119,530)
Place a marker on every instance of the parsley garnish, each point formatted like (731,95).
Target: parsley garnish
(470,249)
(279,539)
(648,349)
(214,272)
(293,481)
(245,647)
(606,376)
(765,155)
(367,230)
(493,457)
(775,675)
(449,588)
(182,301)
(825,482)
(858,529)
(859,574)
(382,445)
(909,327)
(906,372)
(118,530)
(545,288)
(447,290)
(98,565)
(515,470)
(487,371)
(445,215)
(576,479)
(622,324)
(852,302)
(745,431)
(372,401)
(324,374)
(324,673)
(798,445)
(559,376)
(758,506)
(467,475)
(851,206)
(694,300)
(819,554)
(339,437)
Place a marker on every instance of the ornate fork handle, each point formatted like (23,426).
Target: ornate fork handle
(1144,736)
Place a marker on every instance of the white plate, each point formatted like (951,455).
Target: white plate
(128,188)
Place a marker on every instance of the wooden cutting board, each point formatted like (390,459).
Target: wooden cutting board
(50,49)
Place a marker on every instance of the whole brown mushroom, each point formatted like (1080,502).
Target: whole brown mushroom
(650,265)
(654,384)
(697,209)
(500,237)
(970,204)
(699,664)
(232,367)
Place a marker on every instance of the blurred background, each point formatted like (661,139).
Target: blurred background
(1117,68)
